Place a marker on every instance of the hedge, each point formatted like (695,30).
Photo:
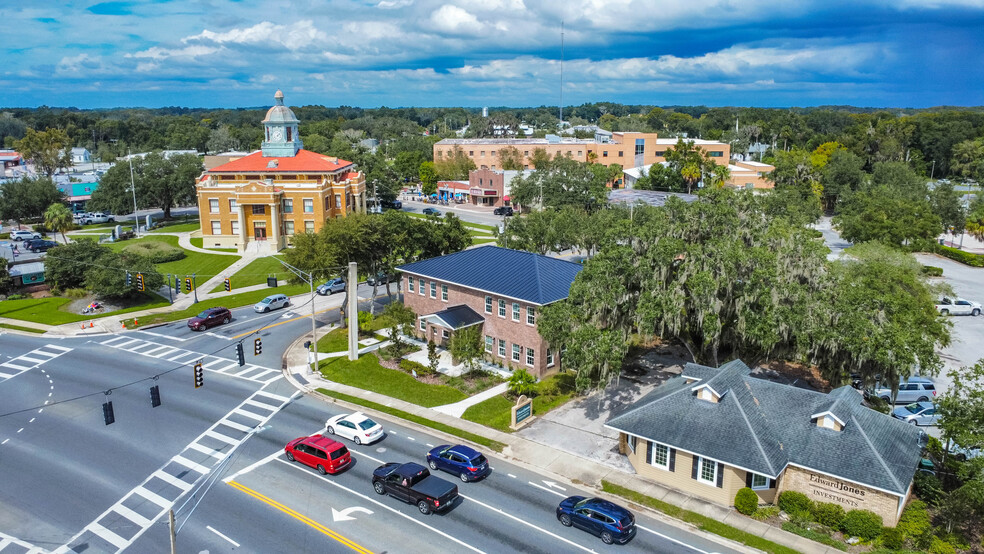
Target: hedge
(932,271)
(793,502)
(746,501)
(828,514)
(862,523)
(967,258)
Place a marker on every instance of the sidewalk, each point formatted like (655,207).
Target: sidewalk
(565,466)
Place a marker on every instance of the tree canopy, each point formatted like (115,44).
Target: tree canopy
(160,183)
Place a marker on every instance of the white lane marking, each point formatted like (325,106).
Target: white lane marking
(511,475)
(32,420)
(4,441)
(541,487)
(385,507)
(234,543)
(526,523)
(430,445)
(21,429)
(411,439)
(671,539)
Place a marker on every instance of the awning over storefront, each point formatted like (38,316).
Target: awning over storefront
(457,317)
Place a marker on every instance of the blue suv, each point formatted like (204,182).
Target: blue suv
(611,522)
(465,462)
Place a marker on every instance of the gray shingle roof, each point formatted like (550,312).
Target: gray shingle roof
(502,271)
(762,426)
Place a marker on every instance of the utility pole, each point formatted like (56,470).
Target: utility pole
(174,535)
(353,313)
(309,279)
(933,170)
(561,124)
(133,189)
(194,286)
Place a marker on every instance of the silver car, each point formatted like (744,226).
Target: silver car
(915,389)
(272,302)
(917,413)
(333,285)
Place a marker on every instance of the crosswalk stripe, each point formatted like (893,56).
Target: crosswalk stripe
(108,536)
(170,350)
(236,426)
(191,465)
(112,340)
(221,437)
(6,375)
(276,397)
(186,356)
(151,352)
(167,477)
(264,373)
(206,450)
(153,497)
(228,367)
(267,407)
(249,369)
(15,366)
(131,515)
(27,358)
(122,344)
(56,347)
(249,414)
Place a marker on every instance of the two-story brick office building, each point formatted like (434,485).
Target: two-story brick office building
(711,431)
(498,288)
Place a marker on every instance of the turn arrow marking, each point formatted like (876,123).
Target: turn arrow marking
(553,485)
(343,515)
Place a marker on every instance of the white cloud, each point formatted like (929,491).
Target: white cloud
(188,52)
(454,20)
(296,36)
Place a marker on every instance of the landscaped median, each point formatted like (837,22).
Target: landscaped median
(256,273)
(231,301)
(51,310)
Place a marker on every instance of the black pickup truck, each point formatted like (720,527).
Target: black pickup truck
(413,483)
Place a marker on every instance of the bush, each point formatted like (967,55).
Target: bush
(891,538)
(967,258)
(4,236)
(862,523)
(914,521)
(746,501)
(928,488)
(932,271)
(156,252)
(74,293)
(939,546)
(766,512)
(793,502)
(16,297)
(410,366)
(521,382)
(828,514)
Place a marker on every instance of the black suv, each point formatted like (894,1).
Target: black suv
(391,204)
(504,210)
(39,245)
(210,318)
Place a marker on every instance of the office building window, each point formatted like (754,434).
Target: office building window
(502,348)
(640,146)
(515,310)
(515,353)
(288,206)
(433,289)
(216,227)
(488,304)
(233,205)
(444,293)
(529,357)
(308,226)
(289,228)
(308,205)
(259,209)
(715,154)
(235,227)
(502,308)
(410,284)
(530,315)
(489,342)
(213,205)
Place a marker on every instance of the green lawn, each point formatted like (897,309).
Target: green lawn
(337,340)
(477,227)
(52,310)
(496,412)
(477,241)
(205,266)
(256,273)
(231,301)
(366,373)
(177,228)
(197,241)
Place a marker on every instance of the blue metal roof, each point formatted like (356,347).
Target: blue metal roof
(501,271)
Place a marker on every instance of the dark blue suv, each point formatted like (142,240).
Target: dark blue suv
(465,462)
(599,517)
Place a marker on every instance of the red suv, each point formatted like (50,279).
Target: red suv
(210,318)
(321,453)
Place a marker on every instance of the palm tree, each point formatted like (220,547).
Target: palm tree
(691,173)
(58,218)
(720,175)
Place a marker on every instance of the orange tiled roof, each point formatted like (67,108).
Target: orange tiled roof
(305,160)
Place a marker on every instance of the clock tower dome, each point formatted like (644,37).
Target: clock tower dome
(281,139)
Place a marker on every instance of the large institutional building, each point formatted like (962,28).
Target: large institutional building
(258,201)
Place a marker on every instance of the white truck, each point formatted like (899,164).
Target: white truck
(89,218)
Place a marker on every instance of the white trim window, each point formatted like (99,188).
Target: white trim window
(502,348)
(444,293)
(445,334)
(530,315)
(502,308)
(489,342)
(707,472)
(422,287)
(515,310)
(235,226)
(433,289)
(233,206)
(515,353)
(288,228)
(423,324)
(410,286)
(308,205)
(308,226)
(530,359)
(488,304)
(632,440)
(213,205)
(288,206)
(550,358)
(216,227)
(659,455)
(759,482)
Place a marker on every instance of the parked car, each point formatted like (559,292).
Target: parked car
(915,389)
(412,483)
(502,210)
(24,235)
(431,211)
(381,278)
(963,453)
(465,462)
(917,413)
(611,522)
(272,302)
(392,204)
(356,427)
(210,318)
(321,453)
(40,245)
(332,285)
(958,306)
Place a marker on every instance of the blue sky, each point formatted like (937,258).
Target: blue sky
(223,53)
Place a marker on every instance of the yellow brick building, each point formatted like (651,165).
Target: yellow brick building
(260,200)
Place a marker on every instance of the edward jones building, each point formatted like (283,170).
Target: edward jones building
(260,200)
(709,432)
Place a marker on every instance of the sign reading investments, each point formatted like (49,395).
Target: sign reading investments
(825,489)
(522,412)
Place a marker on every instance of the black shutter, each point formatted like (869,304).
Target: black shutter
(772,483)
(649,452)
(693,474)
(719,467)
(672,460)
(748,479)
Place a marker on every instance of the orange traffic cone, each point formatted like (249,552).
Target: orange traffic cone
(90,325)
(83,326)
(135,322)
(123,323)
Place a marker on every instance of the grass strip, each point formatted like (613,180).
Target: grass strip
(366,374)
(700,521)
(469,436)
(19,328)
(256,273)
(813,536)
(177,228)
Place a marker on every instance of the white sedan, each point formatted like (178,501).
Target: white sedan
(356,427)
(958,306)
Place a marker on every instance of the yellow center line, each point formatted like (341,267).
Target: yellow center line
(300,517)
(241,335)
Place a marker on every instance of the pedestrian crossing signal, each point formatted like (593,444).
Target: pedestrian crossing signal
(140,282)
(239,353)
(177,285)
(228,284)
(108,415)
(257,347)
(155,396)
(187,284)
(199,375)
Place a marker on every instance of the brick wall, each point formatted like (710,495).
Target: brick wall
(821,487)
(504,329)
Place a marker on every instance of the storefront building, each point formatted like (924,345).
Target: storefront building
(260,200)
(711,432)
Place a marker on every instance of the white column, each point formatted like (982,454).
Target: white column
(241,214)
(275,221)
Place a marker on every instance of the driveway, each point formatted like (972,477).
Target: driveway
(578,427)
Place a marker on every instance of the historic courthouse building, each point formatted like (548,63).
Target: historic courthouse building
(260,200)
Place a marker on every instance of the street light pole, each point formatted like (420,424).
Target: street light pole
(309,278)
(933,170)
(133,189)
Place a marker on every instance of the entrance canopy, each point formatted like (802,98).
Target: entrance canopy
(454,318)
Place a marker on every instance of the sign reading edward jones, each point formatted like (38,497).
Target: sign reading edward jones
(825,489)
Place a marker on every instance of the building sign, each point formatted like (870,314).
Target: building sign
(522,412)
(825,489)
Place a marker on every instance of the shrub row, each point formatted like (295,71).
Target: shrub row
(856,523)
(932,271)
(967,258)
(156,252)
(410,366)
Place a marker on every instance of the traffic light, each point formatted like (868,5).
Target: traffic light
(199,375)
(239,352)
(140,282)
(177,285)
(228,284)
(187,284)
(257,346)
(108,415)
(129,280)
(155,396)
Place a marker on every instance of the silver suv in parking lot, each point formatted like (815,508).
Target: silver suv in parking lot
(914,389)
